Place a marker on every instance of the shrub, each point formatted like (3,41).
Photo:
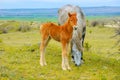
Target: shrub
(8,26)
(24,27)
(97,23)
(117,33)
(87,46)
(3,30)
(94,23)
(35,25)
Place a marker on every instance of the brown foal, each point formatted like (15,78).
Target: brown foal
(61,34)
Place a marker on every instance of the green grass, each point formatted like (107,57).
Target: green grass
(19,57)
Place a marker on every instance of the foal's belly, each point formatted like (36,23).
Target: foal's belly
(55,38)
(55,35)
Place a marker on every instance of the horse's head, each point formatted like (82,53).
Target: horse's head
(73,20)
(76,55)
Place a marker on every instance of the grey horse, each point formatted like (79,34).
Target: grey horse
(78,35)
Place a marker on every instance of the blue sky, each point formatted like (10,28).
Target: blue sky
(8,4)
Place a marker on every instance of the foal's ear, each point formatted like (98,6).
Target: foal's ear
(69,14)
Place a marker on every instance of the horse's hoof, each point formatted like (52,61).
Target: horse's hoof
(77,64)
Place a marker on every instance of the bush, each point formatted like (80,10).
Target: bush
(117,33)
(3,30)
(97,23)
(13,26)
(87,46)
(24,27)
(94,23)
(8,26)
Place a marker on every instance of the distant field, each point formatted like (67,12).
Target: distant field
(19,57)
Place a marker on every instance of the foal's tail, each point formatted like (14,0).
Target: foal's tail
(41,26)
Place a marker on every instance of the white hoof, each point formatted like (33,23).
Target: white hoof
(64,68)
(69,68)
(45,63)
(41,64)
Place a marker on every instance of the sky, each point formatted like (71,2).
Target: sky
(9,4)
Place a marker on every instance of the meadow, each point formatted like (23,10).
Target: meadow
(19,54)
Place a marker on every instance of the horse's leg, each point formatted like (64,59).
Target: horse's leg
(44,42)
(81,49)
(65,63)
(71,45)
(83,37)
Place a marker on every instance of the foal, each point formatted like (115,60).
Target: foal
(61,34)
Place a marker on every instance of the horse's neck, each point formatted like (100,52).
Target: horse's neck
(68,27)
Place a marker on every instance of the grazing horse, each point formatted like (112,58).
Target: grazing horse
(61,34)
(78,35)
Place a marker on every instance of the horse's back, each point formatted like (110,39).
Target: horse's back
(63,14)
(81,23)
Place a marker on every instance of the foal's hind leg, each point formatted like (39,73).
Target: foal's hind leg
(44,42)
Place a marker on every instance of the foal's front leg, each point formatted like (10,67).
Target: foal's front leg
(65,62)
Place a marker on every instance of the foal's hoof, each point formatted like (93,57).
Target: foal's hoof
(45,64)
(69,68)
(64,69)
(41,64)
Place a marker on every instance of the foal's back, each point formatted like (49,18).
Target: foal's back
(50,29)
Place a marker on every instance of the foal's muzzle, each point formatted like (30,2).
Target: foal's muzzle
(75,28)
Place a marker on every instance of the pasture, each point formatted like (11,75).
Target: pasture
(19,57)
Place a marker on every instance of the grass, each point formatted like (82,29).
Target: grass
(19,57)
